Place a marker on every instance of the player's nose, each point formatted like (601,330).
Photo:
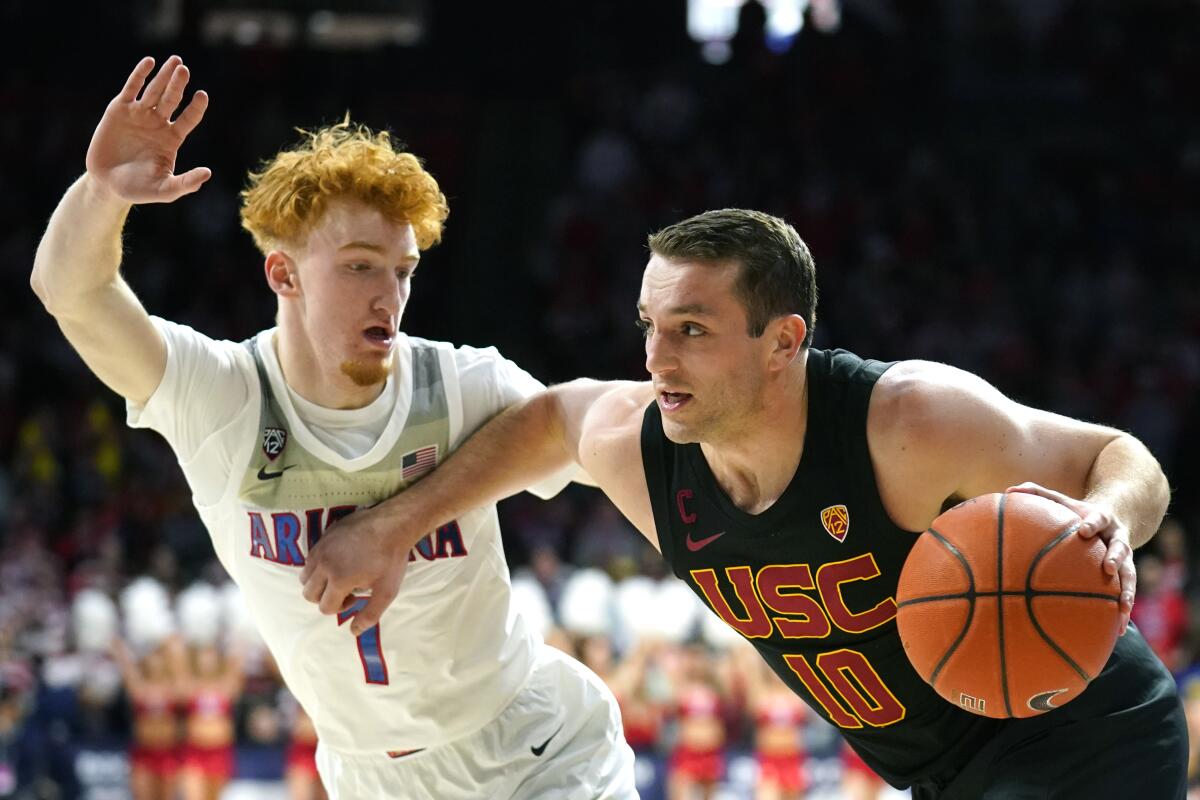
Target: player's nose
(392,297)
(660,358)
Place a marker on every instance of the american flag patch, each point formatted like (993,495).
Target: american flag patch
(417,462)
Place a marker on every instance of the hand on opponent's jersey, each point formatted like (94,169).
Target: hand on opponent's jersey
(354,556)
(133,150)
(1100,521)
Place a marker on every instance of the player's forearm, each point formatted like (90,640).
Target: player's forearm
(80,252)
(1126,477)
(513,451)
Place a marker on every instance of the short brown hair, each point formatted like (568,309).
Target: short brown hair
(286,198)
(777,274)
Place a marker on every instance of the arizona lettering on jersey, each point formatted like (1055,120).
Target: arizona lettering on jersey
(285,537)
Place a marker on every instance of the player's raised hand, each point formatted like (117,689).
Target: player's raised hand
(1100,521)
(133,150)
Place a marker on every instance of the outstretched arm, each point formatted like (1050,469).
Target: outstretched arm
(591,423)
(131,160)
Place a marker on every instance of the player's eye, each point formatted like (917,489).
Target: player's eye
(644,326)
(692,330)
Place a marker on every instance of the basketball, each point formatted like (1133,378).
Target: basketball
(1003,609)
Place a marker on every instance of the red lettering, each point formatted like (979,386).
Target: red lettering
(680,496)
(830,578)
(868,696)
(260,544)
(756,624)
(812,622)
(804,671)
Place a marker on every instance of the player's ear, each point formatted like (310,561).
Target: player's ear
(280,270)
(787,337)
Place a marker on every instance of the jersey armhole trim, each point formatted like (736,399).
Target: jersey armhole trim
(453,390)
(862,447)
(241,461)
(654,469)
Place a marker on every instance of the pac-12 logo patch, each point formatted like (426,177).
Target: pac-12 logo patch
(274,440)
(836,521)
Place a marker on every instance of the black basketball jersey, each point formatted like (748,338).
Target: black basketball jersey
(811,581)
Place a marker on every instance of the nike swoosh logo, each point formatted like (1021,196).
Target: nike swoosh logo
(1045,700)
(694,545)
(537,751)
(263,475)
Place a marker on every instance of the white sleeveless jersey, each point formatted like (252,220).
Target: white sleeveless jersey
(452,650)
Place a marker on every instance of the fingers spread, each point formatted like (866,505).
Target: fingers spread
(191,115)
(1128,576)
(179,185)
(1092,523)
(173,93)
(136,79)
(1028,487)
(1118,555)
(158,84)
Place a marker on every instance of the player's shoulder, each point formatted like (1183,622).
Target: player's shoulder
(616,407)
(605,418)
(918,404)
(185,342)
(626,397)
(463,356)
(918,387)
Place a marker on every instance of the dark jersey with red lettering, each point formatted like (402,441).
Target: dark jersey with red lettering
(811,581)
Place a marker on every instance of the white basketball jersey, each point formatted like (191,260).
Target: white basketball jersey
(452,650)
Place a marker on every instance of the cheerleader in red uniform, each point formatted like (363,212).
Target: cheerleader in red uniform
(152,689)
(778,734)
(698,761)
(300,771)
(211,686)
(641,716)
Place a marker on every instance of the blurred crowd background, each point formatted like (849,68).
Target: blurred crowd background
(1010,186)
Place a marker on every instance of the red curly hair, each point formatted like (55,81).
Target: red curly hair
(288,196)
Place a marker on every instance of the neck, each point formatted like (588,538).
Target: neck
(327,387)
(755,464)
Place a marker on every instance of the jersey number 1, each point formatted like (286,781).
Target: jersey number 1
(370,649)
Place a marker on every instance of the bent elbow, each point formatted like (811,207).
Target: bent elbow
(45,296)
(39,288)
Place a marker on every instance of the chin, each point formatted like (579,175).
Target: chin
(679,434)
(367,373)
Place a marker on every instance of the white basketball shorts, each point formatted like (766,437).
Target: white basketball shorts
(559,739)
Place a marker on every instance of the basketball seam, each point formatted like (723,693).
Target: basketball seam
(1000,603)
(912,601)
(954,551)
(1070,531)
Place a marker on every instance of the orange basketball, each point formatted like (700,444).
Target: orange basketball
(1003,609)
